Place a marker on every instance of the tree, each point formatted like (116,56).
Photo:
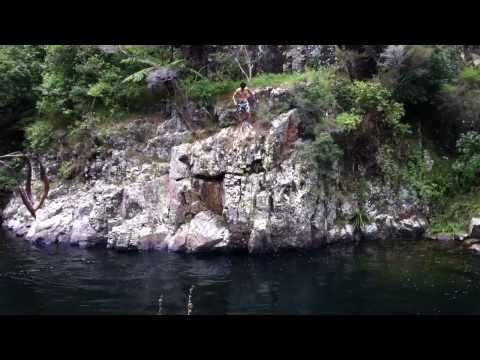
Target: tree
(244,59)
(20,74)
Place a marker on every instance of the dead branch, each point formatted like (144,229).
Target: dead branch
(26,194)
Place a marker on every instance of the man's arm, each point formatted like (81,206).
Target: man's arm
(235,94)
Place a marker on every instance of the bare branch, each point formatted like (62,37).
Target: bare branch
(26,195)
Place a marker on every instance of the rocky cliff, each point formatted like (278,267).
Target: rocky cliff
(250,189)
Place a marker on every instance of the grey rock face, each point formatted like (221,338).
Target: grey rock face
(269,197)
(298,56)
(238,189)
(120,206)
(168,134)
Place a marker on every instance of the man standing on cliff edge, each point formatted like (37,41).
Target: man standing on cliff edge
(243,106)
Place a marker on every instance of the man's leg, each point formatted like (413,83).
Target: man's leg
(240,118)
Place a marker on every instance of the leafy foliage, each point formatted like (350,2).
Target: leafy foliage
(467,166)
(39,134)
(459,102)
(75,79)
(348,121)
(362,99)
(314,97)
(20,74)
(206,91)
(66,171)
(328,153)
(421,72)
(10,174)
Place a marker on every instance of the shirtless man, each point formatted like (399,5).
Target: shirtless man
(243,106)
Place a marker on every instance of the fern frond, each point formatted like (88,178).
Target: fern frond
(139,75)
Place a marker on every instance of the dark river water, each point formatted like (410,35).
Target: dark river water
(391,277)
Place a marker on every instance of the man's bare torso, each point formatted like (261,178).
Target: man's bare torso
(243,95)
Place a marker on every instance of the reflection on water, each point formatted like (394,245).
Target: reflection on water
(400,277)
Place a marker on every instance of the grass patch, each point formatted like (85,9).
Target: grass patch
(209,92)
(457,213)
(280,80)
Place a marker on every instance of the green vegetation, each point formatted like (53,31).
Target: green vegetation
(454,217)
(39,134)
(364,99)
(66,171)
(10,174)
(418,76)
(20,74)
(313,95)
(348,121)
(327,154)
(467,165)
(208,92)
(45,88)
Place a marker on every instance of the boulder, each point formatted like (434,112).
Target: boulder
(443,237)
(475,247)
(474,228)
(471,241)
(202,233)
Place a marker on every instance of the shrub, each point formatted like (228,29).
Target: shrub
(387,159)
(459,104)
(470,76)
(39,134)
(315,97)
(362,98)
(76,79)
(374,97)
(207,92)
(348,121)
(10,174)
(328,153)
(467,166)
(66,171)
(20,74)
(422,72)
(344,94)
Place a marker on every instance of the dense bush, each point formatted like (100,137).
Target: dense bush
(207,91)
(328,153)
(314,97)
(419,72)
(362,99)
(459,102)
(348,121)
(39,134)
(20,74)
(77,79)
(467,165)
(10,174)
